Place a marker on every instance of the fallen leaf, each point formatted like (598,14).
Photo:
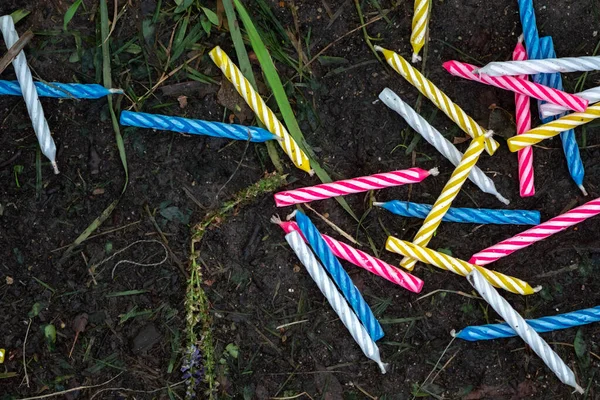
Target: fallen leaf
(182,101)
(460,139)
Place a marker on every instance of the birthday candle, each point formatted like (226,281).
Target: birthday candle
(537,233)
(445,199)
(543,66)
(518,324)
(540,325)
(420,24)
(518,85)
(549,110)
(523,122)
(437,97)
(350,186)
(530,31)
(363,260)
(457,266)
(60,90)
(569,142)
(339,275)
(553,128)
(464,215)
(335,299)
(260,108)
(34,107)
(435,138)
(195,126)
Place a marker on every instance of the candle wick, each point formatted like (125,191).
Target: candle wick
(378,48)
(416,58)
(434,171)
(521,38)
(276,220)
(502,199)
(116,91)
(537,288)
(378,203)
(585,193)
(55,167)
(453,333)
(292,215)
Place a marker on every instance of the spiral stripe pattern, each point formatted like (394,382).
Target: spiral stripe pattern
(439,98)
(335,299)
(518,324)
(459,267)
(366,261)
(537,233)
(435,138)
(550,110)
(340,277)
(420,23)
(464,215)
(260,108)
(195,126)
(541,325)
(554,128)
(445,199)
(530,31)
(59,90)
(543,66)
(350,186)
(518,85)
(34,107)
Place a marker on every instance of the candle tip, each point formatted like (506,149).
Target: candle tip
(585,193)
(434,171)
(385,367)
(311,172)
(55,167)
(537,288)
(488,134)
(378,203)
(292,215)
(579,389)
(502,199)
(521,38)
(379,48)
(116,91)
(276,220)
(416,58)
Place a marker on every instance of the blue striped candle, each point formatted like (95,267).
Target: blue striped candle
(340,276)
(540,325)
(195,126)
(464,215)
(60,90)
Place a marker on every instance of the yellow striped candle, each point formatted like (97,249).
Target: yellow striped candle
(445,199)
(460,267)
(260,108)
(420,24)
(437,97)
(554,128)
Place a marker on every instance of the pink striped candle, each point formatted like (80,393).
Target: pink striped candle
(363,260)
(523,118)
(349,186)
(518,85)
(537,233)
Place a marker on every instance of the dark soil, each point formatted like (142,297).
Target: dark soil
(253,280)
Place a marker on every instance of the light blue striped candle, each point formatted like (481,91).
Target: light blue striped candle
(340,276)
(464,215)
(60,90)
(540,325)
(195,126)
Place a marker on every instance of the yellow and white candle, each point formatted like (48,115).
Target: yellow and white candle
(437,97)
(260,108)
(420,25)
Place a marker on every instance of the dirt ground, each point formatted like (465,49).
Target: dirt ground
(254,282)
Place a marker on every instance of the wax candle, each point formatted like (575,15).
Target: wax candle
(445,199)
(435,138)
(569,142)
(420,24)
(260,108)
(335,299)
(339,275)
(517,85)
(464,215)
(363,260)
(540,325)
(544,66)
(530,31)
(437,97)
(60,90)
(32,102)
(518,324)
(553,128)
(459,267)
(195,126)
(537,233)
(350,186)
(523,123)
(550,110)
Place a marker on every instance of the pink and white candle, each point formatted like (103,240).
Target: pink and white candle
(518,85)
(350,186)
(363,260)
(537,233)
(523,119)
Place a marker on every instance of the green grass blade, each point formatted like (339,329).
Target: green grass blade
(285,108)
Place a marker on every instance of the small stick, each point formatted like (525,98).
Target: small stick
(24,360)
(15,50)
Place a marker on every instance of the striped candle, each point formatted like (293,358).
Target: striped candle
(464,215)
(537,233)
(445,199)
(351,186)
(363,260)
(544,66)
(420,24)
(550,110)
(459,267)
(59,90)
